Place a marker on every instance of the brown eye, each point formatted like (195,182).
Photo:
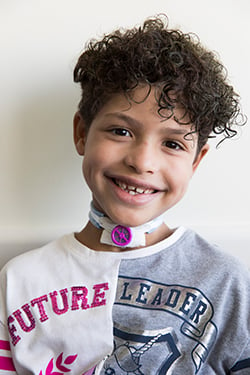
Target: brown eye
(173,145)
(121,132)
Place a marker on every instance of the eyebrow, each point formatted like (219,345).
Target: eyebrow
(130,120)
(138,124)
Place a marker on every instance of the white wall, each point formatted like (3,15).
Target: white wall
(42,194)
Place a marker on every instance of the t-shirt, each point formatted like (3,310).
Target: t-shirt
(181,306)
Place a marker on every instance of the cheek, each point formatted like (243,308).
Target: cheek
(88,167)
(95,161)
(181,176)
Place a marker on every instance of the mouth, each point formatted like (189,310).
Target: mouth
(133,190)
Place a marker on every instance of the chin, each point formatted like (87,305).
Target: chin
(131,222)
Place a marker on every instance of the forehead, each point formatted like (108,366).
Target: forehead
(142,105)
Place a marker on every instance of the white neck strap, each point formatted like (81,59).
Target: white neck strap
(119,235)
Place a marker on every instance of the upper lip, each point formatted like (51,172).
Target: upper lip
(136,183)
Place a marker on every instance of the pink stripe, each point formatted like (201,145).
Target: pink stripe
(4,345)
(6,364)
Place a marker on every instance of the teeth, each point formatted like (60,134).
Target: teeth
(122,185)
(148,191)
(140,190)
(131,187)
(133,190)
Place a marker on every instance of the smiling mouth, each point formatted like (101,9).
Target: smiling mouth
(133,190)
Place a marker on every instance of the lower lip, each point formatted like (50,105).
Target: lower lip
(138,199)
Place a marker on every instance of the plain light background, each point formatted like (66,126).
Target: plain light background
(42,192)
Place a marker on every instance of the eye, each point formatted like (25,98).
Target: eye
(121,132)
(173,145)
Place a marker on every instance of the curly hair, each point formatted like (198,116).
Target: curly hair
(173,61)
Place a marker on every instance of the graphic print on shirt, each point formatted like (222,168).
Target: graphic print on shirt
(59,364)
(193,314)
(41,309)
(135,353)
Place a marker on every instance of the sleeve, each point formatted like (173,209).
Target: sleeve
(6,363)
(242,363)
(242,366)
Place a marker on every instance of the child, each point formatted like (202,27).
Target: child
(128,294)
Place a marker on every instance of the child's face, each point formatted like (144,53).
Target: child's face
(136,165)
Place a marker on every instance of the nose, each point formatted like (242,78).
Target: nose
(142,158)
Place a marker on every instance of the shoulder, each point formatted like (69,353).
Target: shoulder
(210,258)
(34,260)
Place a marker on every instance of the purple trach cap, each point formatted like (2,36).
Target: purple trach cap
(121,236)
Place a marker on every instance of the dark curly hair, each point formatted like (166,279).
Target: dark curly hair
(174,62)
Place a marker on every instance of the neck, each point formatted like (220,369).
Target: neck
(90,236)
(120,235)
(102,234)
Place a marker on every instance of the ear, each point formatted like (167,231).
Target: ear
(79,133)
(200,156)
